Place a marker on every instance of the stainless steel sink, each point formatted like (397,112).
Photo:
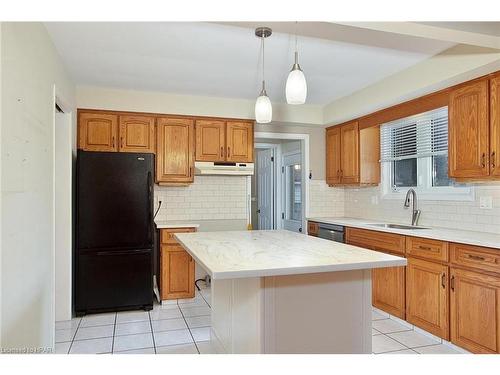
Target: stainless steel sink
(398,226)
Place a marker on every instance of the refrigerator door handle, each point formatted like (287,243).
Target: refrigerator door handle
(150,213)
(123,252)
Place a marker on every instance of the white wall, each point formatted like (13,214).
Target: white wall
(30,69)
(169,103)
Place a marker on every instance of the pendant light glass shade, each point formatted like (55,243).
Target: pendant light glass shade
(296,87)
(263,108)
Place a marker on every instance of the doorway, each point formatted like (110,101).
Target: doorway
(280,182)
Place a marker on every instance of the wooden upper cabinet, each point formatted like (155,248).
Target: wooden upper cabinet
(427,296)
(349,153)
(175,150)
(495,126)
(137,134)
(333,156)
(97,131)
(352,155)
(239,142)
(475,311)
(468,139)
(210,140)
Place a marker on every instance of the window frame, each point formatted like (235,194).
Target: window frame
(424,188)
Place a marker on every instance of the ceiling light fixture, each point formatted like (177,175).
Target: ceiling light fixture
(263,107)
(296,86)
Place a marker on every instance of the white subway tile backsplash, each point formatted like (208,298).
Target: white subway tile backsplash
(324,200)
(449,214)
(208,198)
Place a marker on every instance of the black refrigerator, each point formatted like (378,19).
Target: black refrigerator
(113,262)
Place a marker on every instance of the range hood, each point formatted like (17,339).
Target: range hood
(223,168)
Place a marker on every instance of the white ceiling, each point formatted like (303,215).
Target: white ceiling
(224,60)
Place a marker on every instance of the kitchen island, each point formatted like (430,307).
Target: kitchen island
(284,292)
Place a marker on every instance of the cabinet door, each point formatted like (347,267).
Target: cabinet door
(175,150)
(98,132)
(137,134)
(177,273)
(210,140)
(333,156)
(495,126)
(475,311)
(427,296)
(468,138)
(388,290)
(239,142)
(349,153)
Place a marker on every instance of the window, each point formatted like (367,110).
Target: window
(414,154)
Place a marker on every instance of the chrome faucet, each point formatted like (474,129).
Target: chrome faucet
(415,215)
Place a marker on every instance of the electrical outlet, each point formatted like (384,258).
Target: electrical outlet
(486,203)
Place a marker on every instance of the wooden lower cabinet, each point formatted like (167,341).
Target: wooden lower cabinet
(427,296)
(475,311)
(177,267)
(388,290)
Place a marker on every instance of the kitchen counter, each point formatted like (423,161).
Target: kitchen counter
(284,292)
(175,224)
(443,234)
(238,254)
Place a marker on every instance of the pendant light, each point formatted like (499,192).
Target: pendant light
(296,86)
(263,107)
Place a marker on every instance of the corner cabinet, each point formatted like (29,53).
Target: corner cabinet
(175,151)
(352,155)
(97,131)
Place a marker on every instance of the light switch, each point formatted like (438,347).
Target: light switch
(486,203)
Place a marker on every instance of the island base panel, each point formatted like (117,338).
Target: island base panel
(309,313)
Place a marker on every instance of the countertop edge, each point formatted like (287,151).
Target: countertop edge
(435,233)
(166,225)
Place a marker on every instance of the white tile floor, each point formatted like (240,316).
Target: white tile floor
(183,327)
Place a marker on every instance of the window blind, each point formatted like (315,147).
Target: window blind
(418,136)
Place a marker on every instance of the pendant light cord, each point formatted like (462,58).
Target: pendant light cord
(263,62)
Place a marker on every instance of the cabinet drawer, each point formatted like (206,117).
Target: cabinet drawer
(167,235)
(427,248)
(475,257)
(381,241)
(312,228)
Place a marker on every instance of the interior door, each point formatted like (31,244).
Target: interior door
(265,189)
(292,188)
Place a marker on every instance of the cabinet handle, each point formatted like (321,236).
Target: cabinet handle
(424,247)
(338,172)
(190,171)
(452,283)
(113,142)
(443,280)
(483,160)
(493,160)
(228,151)
(222,152)
(121,142)
(476,257)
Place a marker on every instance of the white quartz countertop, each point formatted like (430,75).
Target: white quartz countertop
(175,224)
(443,234)
(239,254)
